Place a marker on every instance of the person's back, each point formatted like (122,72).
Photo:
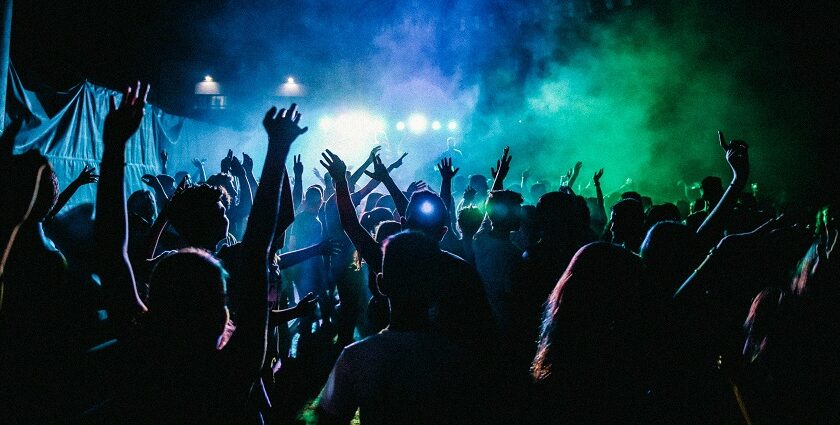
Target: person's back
(397,377)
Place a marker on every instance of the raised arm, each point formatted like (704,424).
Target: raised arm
(87,176)
(248,165)
(596,180)
(111,224)
(161,200)
(501,171)
(164,158)
(362,240)
(575,174)
(199,165)
(360,194)
(325,248)
(361,170)
(297,190)
(381,173)
(252,319)
(738,158)
(286,216)
(246,197)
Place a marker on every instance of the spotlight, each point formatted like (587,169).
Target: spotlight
(400,126)
(452,125)
(290,80)
(435,125)
(417,123)
(208,78)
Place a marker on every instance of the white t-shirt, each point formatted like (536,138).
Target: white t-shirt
(397,377)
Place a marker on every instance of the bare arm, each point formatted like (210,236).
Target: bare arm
(737,156)
(199,165)
(111,224)
(360,194)
(292,258)
(501,171)
(575,174)
(362,240)
(297,191)
(85,177)
(354,178)
(381,173)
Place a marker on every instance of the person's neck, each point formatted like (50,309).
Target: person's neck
(404,321)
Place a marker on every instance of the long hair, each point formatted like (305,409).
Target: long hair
(595,303)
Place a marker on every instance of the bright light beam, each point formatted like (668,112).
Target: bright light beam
(417,123)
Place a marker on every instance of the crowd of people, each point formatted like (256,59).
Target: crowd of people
(227,298)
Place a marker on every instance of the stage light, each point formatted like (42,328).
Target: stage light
(208,86)
(208,78)
(400,126)
(417,123)
(452,125)
(290,80)
(435,125)
(290,89)
(378,125)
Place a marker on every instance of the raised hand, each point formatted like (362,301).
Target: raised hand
(226,161)
(379,173)
(597,177)
(396,164)
(469,194)
(737,156)
(329,247)
(185,183)
(199,163)
(415,186)
(282,126)
(247,163)
(123,121)
(502,165)
(578,166)
(526,174)
(446,170)
(306,306)
(236,167)
(164,157)
(374,152)
(86,176)
(151,181)
(334,165)
(298,166)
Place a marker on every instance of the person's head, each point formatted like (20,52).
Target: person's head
(712,189)
(684,207)
(409,275)
(30,182)
(663,212)
(469,220)
(187,300)
(168,183)
(450,143)
(632,195)
(179,176)
(426,213)
(386,229)
(593,315)
(313,198)
(669,252)
(372,218)
(479,183)
(560,216)
(225,181)
(386,201)
(370,201)
(504,210)
(198,215)
(142,203)
(538,190)
(647,203)
(627,223)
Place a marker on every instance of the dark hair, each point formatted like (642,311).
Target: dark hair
(426,212)
(470,218)
(408,268)
(25,170)
(371,219)
(191,211)
(595,301)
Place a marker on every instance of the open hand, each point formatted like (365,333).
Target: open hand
(123,121)
(374,152)
(334,165)
(502,165)
(282,126)
(415,186)
(380,173)
(236,167)
(151,181)
(199,163)
(469,194)
(446,170)
(597,177)
(226,161)
(86,176)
